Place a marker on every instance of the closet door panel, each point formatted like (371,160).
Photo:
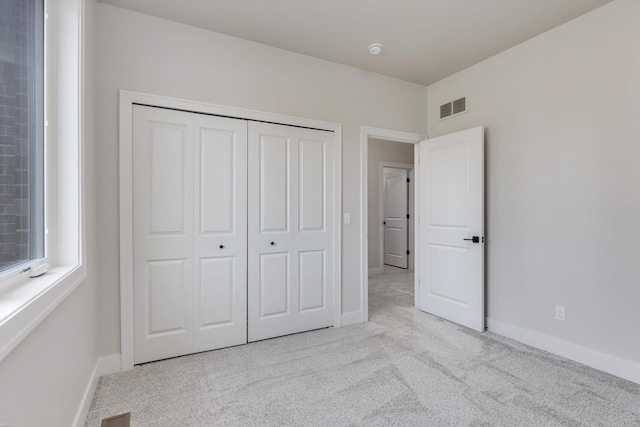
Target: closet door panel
(289,201)
(190,235)
(217,181)
(165,295)
(313,286)
(274,199)
(216,292)
(274,285)
(220,242)
(312,181)
(163,237)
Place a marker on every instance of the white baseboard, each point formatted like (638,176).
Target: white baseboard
(108,365)
(104,366)
(603,362)
(351,318)
(376,271)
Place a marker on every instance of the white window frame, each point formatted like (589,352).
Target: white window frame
(24,301)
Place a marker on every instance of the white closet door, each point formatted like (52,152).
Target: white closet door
(163,233)
(290,245)
(220,237)
(190,233)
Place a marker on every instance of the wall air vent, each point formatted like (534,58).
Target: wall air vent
(445,110)
(452,108)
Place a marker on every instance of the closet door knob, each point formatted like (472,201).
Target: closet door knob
(273,243)
(221,246)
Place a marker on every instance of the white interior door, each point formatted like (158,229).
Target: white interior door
(290,246)
(452,227)
(396,209)
(395,221)
(189,243)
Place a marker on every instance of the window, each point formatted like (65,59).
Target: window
(21,133)
(49,185)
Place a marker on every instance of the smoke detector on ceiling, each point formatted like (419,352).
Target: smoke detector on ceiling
(375,49)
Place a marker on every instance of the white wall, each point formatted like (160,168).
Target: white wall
(562,113)
(43,379)
(147,54)
(379,151)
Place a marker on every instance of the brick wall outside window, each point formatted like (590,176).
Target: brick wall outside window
(14,131)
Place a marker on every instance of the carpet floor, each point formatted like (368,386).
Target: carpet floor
(403,367)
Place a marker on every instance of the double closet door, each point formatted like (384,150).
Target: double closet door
(233,238)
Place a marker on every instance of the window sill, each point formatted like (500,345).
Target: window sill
(23,306)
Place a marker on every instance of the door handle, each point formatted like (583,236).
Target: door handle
(474,239)
(273,243)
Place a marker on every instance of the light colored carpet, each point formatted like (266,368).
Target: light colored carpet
(404,367)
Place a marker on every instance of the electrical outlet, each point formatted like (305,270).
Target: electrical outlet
(560,313)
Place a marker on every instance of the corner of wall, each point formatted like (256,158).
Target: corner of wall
(105,365)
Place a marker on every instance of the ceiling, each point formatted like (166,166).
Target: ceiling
(424,40)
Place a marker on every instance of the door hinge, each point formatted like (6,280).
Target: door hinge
(408,252)
(408,216)
(408,179)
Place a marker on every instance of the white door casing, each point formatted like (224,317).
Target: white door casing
(395,221)
(412,226)
(290,245)
(451,211)
(189,183)
(366,134)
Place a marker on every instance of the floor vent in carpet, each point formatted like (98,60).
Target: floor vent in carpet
(122,420)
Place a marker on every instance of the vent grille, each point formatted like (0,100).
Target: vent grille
(122,420)
(445,110)
(452,108)
(459,105)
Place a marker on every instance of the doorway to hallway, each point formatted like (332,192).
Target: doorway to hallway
(391,149)
(391,295)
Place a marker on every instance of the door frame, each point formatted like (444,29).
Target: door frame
(126,102)
(408,167)
(367,132)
